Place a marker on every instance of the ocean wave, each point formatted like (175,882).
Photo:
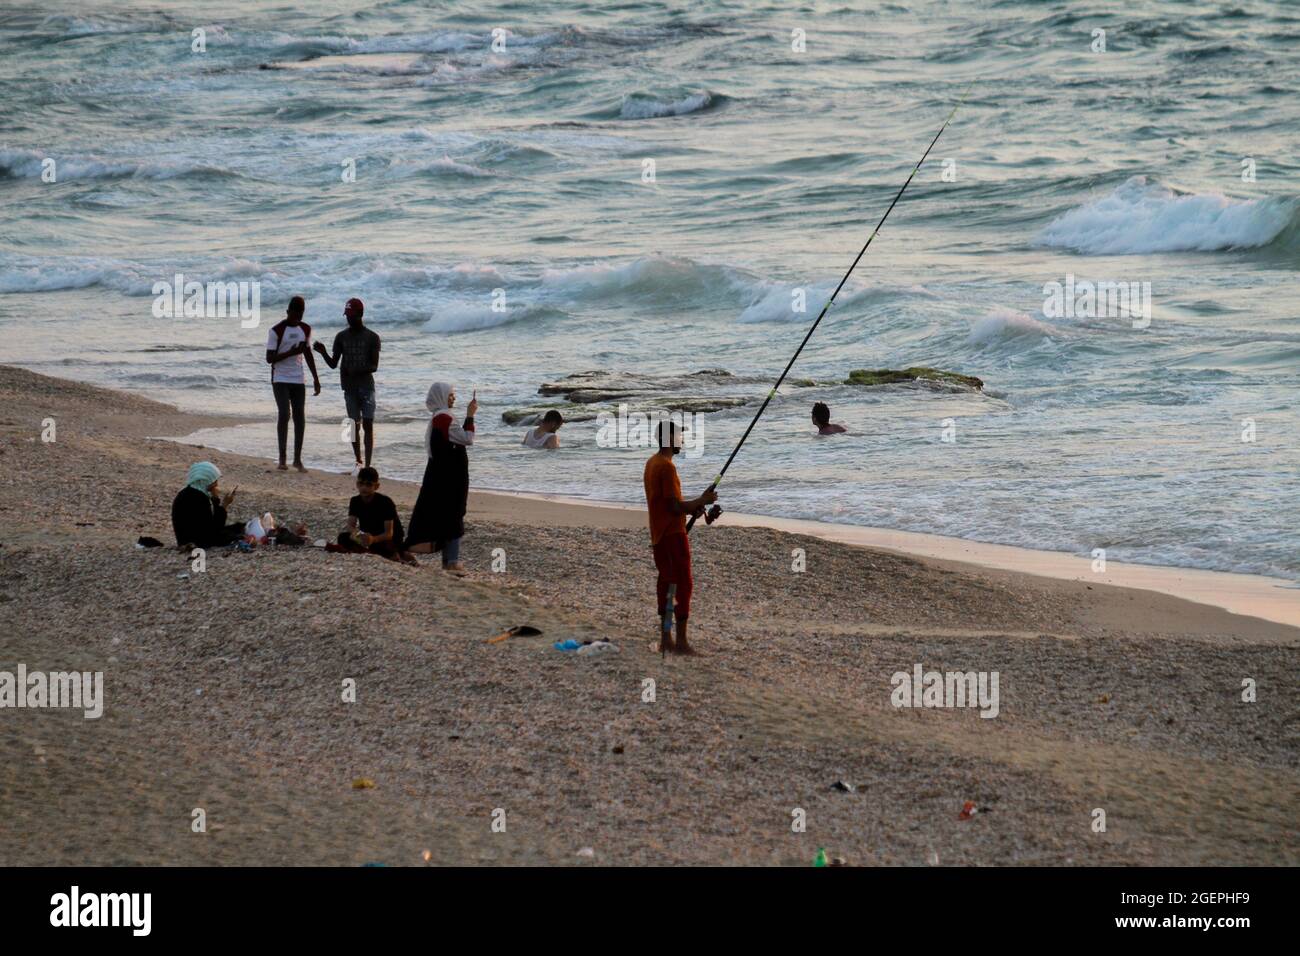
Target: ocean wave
(475,316)
(440,56)
(663,282)
(289,46)
(372,64)
(1004,325)
(446,166)
(670,278)
(73,27)
(637,106)
(27,163)
(770,301)
(1142,217)
(27,274)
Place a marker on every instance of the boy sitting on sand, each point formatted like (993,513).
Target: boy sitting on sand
(821,416)
(672,550)
(373,524)
(544,435)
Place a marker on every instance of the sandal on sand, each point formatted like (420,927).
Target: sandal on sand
(519,630)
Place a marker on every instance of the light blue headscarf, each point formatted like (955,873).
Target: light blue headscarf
(202,475)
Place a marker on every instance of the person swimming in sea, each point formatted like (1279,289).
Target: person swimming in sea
(544,435)
(821,416)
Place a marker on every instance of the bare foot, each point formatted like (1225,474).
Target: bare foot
(300,466)
(282,467)
(683,647)
(456,567)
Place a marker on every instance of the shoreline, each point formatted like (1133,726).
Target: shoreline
(1250,595)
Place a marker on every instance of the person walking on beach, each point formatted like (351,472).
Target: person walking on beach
(544,435)
(821,416)
(438,521)
(356,356)
(672,549)
(288,342)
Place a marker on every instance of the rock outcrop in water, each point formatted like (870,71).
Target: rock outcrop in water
(599,386)
(920,374)
(584,395)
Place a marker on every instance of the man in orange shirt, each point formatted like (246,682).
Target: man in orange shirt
(663,495)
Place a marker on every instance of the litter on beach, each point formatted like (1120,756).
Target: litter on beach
(586,648)
(519,630)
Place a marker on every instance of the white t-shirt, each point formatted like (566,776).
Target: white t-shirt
(537,438)
(290,369)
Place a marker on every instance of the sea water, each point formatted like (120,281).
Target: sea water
(522,191)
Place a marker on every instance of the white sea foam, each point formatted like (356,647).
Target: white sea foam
(1004,324)
(1141,216)
(669,276)
(21,274)
(775,301)
(446,166)
(636,106)
(25,163)
(472,316)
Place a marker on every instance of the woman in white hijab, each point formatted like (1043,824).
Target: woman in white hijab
(438,521)
(199,510)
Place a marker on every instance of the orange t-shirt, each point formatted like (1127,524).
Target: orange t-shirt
(661,486)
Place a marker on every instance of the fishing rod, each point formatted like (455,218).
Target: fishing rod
(715,511)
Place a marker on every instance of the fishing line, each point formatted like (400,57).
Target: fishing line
(829,302)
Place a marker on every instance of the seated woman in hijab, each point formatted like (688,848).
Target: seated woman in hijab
(199,510)
(438,521)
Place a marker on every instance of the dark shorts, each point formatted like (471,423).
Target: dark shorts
(360,403)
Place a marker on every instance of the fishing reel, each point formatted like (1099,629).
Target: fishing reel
(712,514)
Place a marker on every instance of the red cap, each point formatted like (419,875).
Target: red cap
(354,308)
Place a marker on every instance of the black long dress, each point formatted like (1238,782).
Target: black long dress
(439,514)
(199,520)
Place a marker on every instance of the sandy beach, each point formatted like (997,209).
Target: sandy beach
(223,688)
